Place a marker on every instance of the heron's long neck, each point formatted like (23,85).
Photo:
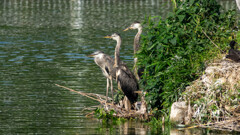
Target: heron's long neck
(238,4)
(137,40)
(117,52)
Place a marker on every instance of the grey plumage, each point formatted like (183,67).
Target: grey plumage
(105,62)
(125,79)
(136,25)
(136,45)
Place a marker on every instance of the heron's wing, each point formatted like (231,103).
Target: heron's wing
(129,75)
(108,60)
(128,84)
(107,70)
(127,71)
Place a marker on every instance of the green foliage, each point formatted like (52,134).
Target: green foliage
(156,125)
(106,117)
(238,37)
(174,51)
(118,96)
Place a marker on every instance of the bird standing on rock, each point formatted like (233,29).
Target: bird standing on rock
(233,54)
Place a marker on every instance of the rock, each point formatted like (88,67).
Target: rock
(181,113)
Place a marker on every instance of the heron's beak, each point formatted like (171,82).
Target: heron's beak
(127,28)
(90,55)
(107,37)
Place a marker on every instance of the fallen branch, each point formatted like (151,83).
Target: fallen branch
(211,40)
(81,93)
(211,124)
(119,109)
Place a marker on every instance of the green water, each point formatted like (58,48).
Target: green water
(45,42)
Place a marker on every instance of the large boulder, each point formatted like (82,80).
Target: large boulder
(181,113)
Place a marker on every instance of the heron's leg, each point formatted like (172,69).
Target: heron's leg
(107,89)
(111,88)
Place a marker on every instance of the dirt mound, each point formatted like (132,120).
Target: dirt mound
(215,96)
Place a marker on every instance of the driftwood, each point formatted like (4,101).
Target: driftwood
(139,111)
(230,124)
(233,124)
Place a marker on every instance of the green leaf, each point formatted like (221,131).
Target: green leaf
(181,17)
(173,41)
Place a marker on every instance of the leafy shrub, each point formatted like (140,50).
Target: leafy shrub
(174,51)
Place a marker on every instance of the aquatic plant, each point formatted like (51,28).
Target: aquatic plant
(107,117)
(174,51)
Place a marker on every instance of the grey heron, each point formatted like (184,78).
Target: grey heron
(126,81)
(136,45)
(105,62)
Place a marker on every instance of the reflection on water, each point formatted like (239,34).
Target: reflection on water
(45,42)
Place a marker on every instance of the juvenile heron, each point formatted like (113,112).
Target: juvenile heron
(136,45)
(105,62)
(125,79)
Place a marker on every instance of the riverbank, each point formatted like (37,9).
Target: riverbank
(176,51)
(213,99)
